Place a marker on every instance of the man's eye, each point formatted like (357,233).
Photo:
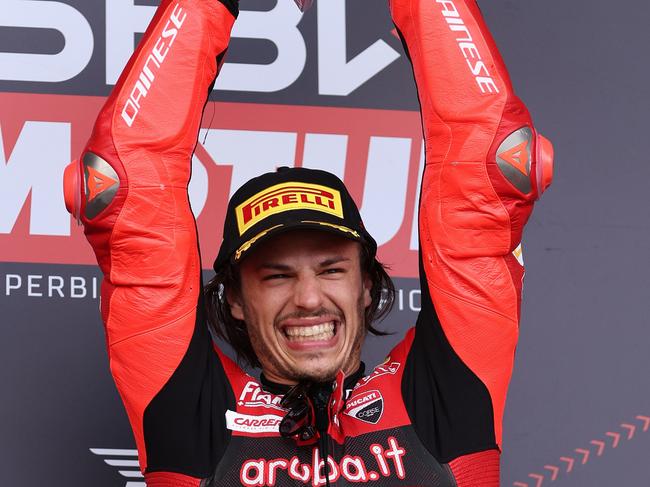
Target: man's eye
(271,277)
(334,270)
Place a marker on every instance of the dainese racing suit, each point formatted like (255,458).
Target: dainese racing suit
(431,414)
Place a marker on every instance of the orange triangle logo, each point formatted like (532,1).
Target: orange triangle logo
(98,183)
(517,157)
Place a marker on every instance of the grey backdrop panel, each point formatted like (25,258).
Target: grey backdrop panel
(580,384)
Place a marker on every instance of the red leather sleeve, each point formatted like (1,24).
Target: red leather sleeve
(473,206)
(477,470)
(145,237)
(170,480)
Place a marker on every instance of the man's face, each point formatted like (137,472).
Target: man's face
(303,298)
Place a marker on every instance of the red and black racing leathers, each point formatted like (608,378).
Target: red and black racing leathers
(431,414)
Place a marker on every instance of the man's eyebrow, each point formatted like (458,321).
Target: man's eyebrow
(274,267)
(334,260)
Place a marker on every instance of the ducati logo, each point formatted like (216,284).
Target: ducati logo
(367,407)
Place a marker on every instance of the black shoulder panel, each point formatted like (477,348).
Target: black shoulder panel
(184,425)
(232,6)
(449,406)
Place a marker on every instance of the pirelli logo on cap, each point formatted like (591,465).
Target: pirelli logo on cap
(285,197)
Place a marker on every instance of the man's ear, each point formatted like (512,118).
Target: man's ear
(235,303)
(367,288)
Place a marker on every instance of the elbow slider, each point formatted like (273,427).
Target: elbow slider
(72,189)
(90,186)
(545,156)
(525,159)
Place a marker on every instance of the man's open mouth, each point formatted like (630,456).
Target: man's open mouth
(312,333)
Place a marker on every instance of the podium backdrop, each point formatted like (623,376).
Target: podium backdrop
(332,89)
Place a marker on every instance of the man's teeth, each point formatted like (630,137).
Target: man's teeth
(324,331)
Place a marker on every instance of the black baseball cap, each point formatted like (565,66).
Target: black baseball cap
(289,199)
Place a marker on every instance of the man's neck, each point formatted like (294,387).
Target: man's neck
(274,386)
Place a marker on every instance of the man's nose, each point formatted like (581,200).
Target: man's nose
(308,293)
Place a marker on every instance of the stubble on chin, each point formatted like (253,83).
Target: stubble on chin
(269,360)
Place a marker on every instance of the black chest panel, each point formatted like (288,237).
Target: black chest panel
(386,458)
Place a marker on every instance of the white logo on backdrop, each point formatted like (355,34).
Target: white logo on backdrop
(62,66)
(337,75)
(126,463)
(43,149)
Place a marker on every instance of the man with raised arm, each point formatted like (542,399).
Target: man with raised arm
(297,283)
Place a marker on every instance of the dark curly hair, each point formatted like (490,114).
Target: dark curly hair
(234,331)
